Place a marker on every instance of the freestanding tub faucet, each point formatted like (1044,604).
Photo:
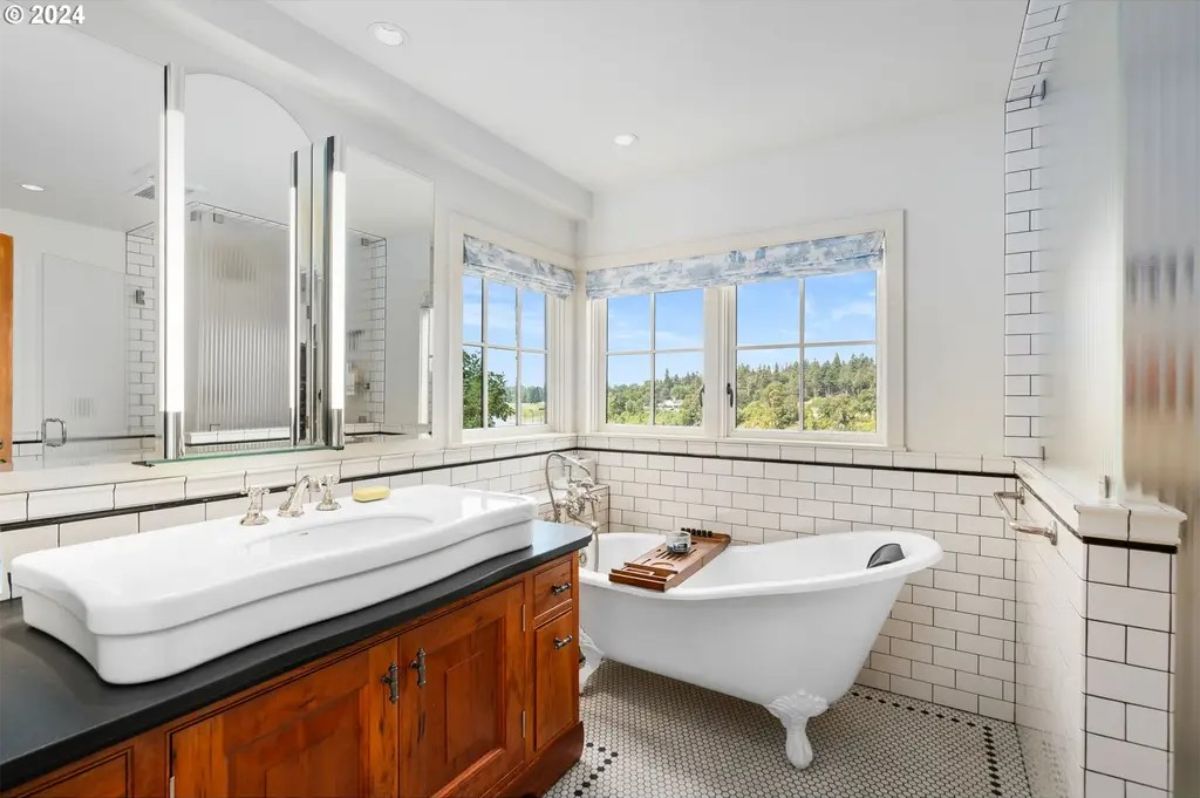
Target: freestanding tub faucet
(578,499)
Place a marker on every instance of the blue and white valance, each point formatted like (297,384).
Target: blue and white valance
(492,262)
(849,253)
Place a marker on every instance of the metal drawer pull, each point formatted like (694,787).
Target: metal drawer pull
(563,642)
(418,665)
(563,588)
(1018,496)
(391,680)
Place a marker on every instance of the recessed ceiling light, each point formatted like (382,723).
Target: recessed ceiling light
(388,33)
(625,139)
(32,187)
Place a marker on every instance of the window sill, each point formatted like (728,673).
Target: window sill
(741,438)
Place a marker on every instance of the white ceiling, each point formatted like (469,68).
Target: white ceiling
(700,81)
(80,118)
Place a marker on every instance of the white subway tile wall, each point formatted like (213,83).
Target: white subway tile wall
(1051,639)
(950,638)
(1129,669)
(1025,325)
(1095,641)
(366,322)
(141,332)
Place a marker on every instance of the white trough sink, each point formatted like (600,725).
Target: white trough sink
(142,607)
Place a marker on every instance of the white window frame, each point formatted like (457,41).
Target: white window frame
(559,315)
(600,377)
(720,336)
(516,348)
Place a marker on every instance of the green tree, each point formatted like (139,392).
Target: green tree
(499,406)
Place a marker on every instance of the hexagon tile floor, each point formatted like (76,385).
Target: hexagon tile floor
(648,736)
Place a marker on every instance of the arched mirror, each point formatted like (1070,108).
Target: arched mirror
(389,299)
(242,150)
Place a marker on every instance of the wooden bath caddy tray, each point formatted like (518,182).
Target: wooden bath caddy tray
(661,570)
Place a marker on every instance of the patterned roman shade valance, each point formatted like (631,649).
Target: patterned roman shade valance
(848,253)
(493,262)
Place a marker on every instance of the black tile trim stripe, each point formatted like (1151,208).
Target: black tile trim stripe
(748,459)
(1091,540)
(146,508)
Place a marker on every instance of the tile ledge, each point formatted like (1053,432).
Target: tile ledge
(1140,521)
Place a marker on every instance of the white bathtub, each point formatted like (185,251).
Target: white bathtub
(786,625)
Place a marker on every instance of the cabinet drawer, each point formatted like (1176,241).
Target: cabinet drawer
(552,588)
(556,685)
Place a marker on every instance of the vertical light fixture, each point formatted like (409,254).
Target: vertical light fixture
(335,278)
(171,237)
(425,366)
(293,301)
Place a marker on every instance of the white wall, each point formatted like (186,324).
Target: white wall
(408,285)
(33,237)
(945,172)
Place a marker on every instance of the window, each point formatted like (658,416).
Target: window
(797,334)
(654,359)
(804,354)
(504,355)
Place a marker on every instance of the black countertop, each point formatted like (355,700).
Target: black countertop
(54,709)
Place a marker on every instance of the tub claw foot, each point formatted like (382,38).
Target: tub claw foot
(592,657)
(794,711)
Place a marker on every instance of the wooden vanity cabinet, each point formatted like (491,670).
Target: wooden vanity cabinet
(462,703)
(331,732)
(479,698)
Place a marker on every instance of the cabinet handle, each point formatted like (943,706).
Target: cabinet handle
(418,665)
(563,642)
(392,680)
(563,588)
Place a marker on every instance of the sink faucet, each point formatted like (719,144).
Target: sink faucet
(293,505)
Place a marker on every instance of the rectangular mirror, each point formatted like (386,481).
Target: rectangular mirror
(80,126)
(389,299)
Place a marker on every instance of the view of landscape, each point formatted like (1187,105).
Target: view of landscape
(506,344)
(839,365)
(655,356)
(838,395)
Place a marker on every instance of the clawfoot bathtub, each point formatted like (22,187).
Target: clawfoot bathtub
(786,625)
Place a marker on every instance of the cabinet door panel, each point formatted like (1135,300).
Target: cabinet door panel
(461,729)
(331,732)
(556,673)
(107,779)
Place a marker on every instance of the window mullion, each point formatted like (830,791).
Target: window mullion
(800,365)
(518,387)
(483,358)
(653,345)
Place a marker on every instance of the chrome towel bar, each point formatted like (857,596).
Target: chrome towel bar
(1018,497)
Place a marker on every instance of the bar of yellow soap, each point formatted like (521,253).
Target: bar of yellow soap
(372,493)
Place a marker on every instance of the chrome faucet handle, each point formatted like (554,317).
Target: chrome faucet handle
(327,501)
(254,513)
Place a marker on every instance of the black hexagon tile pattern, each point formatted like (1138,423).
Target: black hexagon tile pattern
(648,736)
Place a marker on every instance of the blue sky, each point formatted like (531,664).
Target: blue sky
(502,319)
(837,307)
